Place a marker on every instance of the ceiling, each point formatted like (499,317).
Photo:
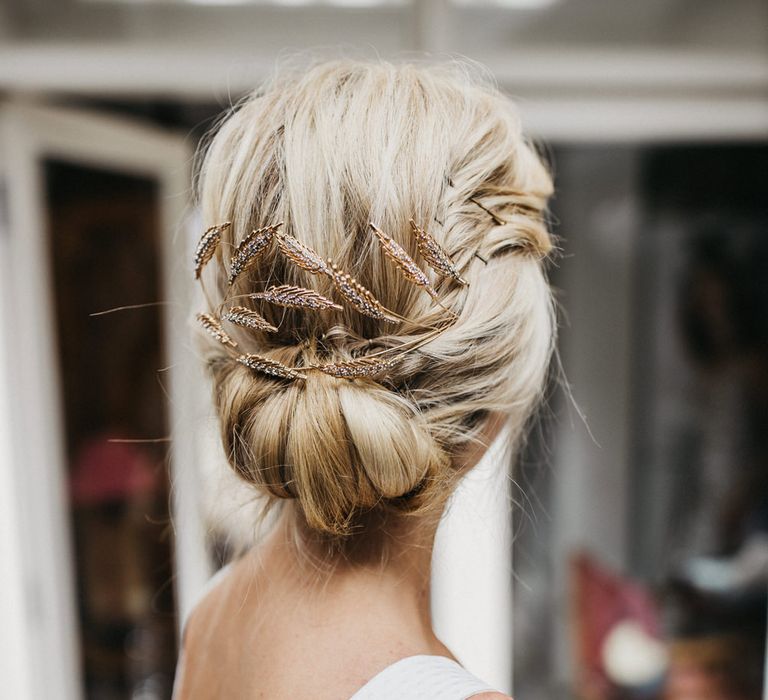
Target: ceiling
(578,67)
(466,25)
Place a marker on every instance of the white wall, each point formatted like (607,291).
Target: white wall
(599,215)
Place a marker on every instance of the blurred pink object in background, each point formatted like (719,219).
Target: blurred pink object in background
(108,471)
(602,601)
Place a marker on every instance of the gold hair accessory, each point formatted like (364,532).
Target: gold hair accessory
(296,297)
(207,246)
(269,366)
(255,244)
(248,318)
(250,250)
(435,254)
(214,328)
(307,259)
(395,252)
(301,255)
(359,296)
(360,367)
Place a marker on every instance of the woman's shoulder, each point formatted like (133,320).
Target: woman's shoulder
(207,597)
(201,629)
(493,695)
(219,604)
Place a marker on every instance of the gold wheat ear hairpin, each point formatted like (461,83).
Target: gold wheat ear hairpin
(359,296)
(435,255)
(250,250)
(359,367)
(296,297)
(307,259)
(269,366)
(206,247)
(405,263)
(214,328)
(248,318)
(301,255)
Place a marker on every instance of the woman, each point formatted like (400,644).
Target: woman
(376,310)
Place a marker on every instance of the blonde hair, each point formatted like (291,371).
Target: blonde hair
(327,150)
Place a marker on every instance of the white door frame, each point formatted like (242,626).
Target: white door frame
(39,634)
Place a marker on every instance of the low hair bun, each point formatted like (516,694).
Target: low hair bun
(341,449)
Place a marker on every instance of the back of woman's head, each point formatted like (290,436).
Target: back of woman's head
(327,151)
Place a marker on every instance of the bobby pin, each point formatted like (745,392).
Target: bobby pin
(528,210)
(497,219)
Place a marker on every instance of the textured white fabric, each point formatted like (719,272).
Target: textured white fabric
(422,678)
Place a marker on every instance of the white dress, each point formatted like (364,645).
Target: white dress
(422,678)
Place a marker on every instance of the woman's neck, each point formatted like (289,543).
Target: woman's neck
(390,594)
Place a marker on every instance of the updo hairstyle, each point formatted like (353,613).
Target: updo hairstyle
(326,151)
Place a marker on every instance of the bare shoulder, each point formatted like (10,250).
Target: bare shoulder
(205,625)
(491,695)
(206,599)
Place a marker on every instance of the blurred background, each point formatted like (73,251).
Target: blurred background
(634,560)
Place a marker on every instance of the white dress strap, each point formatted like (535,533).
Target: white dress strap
(422,677)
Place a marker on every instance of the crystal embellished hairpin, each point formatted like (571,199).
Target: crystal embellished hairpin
(259,241)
